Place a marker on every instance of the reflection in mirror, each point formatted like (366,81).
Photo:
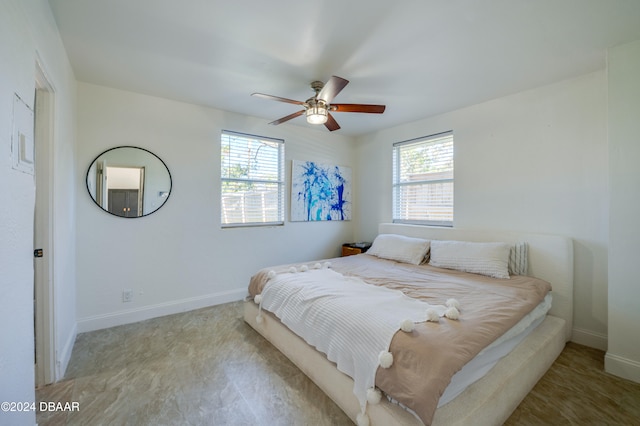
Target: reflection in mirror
(128,181)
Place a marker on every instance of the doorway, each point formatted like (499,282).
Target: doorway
(43,299)
(125,189)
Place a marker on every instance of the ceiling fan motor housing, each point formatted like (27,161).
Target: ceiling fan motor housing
(317,86)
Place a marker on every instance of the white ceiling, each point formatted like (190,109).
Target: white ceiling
(419,57)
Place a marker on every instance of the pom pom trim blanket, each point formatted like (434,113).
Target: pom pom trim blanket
(348,320)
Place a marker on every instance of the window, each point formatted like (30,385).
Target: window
(252,180)
(423,180)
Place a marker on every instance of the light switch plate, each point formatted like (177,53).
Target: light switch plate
(22,141)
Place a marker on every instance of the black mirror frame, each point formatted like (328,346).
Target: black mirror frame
(86,181)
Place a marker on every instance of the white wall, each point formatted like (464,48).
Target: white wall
(179,258)
(623,354)
(535,161)
(27,33)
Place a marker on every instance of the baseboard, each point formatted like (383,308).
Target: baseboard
(63,357)
(589,338)
(98,322)
(622,367)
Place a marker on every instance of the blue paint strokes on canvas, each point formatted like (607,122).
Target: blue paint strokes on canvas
(321,190)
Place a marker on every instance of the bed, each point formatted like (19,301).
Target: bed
(487,400)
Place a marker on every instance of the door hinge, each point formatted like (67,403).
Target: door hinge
(38,253)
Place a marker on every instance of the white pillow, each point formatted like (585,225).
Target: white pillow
(400,248)
(491,259)
(518,263)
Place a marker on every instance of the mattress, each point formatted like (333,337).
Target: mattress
(489,357)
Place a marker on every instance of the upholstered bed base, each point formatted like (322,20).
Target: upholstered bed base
(489,401)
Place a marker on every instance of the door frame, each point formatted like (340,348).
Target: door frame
(44,315)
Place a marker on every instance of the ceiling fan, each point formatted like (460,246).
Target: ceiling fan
(318,108)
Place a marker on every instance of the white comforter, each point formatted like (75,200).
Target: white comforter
(350,321)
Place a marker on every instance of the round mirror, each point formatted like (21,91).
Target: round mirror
(127,181)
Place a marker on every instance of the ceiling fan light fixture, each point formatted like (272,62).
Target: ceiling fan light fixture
(317,113)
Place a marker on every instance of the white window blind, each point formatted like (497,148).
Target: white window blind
(423,180)
(252,179)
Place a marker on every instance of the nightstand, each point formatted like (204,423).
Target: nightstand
(354,248)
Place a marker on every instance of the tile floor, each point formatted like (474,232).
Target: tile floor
(207,367)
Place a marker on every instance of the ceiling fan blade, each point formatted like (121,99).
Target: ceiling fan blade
(288,117)
(331,123)
(332,88)
(371,109)
(277,98)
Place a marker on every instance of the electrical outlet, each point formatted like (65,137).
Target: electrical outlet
(127,295)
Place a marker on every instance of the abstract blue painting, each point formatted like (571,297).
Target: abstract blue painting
(320,191)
